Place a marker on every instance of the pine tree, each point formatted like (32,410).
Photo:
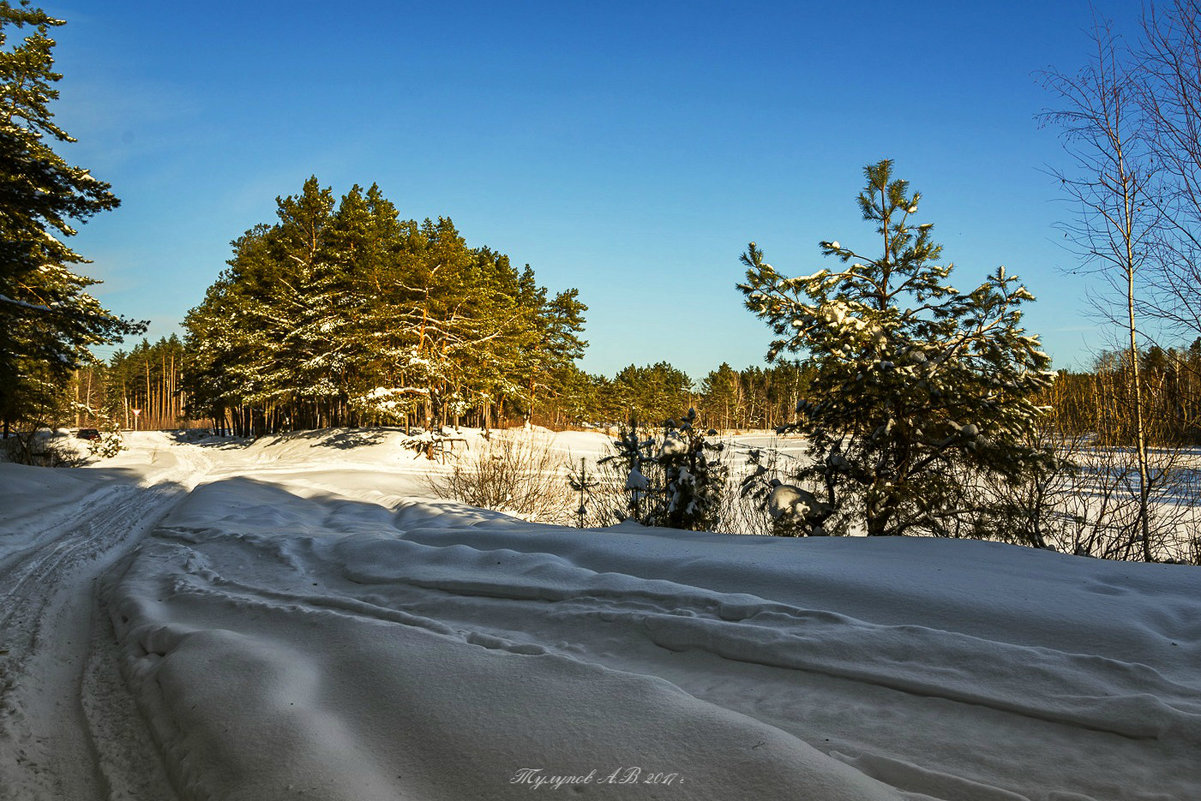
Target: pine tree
(632,459)
(913,380)
(551,343)
(47,319)
(213,343)
(313,308)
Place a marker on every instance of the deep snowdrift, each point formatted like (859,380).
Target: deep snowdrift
(306,625)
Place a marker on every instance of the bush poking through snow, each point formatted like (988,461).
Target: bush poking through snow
(792,510)
(39,447)
(109,444)
(1087,503)
(796,511)
(515,472)
(695,476)
(630,490)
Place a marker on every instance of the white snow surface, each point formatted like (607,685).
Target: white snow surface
(297,618)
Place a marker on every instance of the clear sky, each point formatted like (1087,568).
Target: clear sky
(629,150)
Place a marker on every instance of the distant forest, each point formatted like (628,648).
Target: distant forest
(340,313)
(152,377)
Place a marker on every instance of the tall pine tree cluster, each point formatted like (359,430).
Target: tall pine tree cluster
(48,321)
(342,313)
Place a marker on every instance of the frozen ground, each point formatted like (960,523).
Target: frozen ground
(296,619)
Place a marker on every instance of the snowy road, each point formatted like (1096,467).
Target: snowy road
(293,620)
(67,720)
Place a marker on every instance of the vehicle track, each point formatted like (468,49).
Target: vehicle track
(67,724)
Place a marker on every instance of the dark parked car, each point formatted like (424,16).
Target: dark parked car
(88,433)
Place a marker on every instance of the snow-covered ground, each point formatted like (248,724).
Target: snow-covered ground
(297,619)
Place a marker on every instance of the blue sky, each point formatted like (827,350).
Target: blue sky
(628,150)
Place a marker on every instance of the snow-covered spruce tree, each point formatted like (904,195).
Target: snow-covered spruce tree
(694,476)
(47,319)
(912,376)
(632,458)
(673,481)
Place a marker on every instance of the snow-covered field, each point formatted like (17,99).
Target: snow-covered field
(298,619)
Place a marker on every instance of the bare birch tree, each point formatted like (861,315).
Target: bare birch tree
(1110,182)
(1170,97)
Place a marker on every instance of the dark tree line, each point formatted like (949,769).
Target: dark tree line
(153,378)
(752,398)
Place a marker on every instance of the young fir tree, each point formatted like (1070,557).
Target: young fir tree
(694,476)
(914,381)
(632,459)
(673,481)
(47,319)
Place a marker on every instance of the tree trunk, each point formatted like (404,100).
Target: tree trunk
(1140,432)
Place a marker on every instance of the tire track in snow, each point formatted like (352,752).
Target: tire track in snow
(48,746)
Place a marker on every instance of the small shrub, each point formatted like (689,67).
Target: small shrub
(108,445)
(1087,503)
(39,447)
(788,510)
(515,472)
